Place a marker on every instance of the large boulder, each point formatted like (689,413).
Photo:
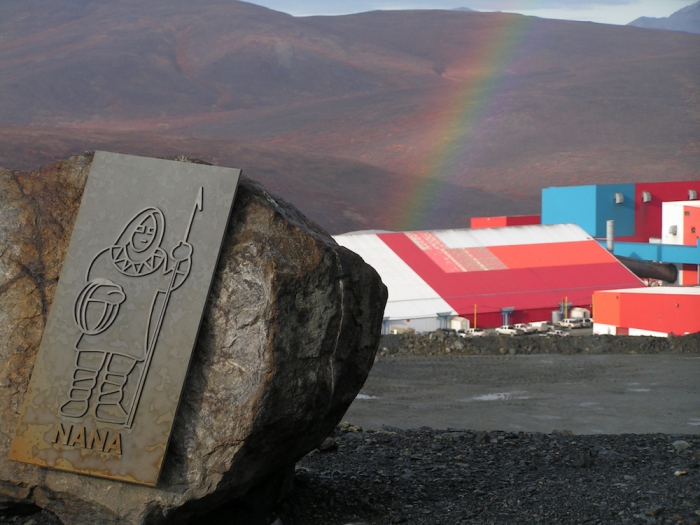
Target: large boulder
(289,335)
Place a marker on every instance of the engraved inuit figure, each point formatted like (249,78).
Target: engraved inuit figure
(118,339)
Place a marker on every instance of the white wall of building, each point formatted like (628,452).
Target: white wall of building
(412,302)
(672,215)
(604,329)
(639,331)
(672,218)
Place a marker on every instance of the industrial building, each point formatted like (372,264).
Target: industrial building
(635,208)
(524,268)
(653,221)
(591,207)
(655,226)
(655,311)
(489,276)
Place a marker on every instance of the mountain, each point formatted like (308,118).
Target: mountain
(380,120)
(686,20)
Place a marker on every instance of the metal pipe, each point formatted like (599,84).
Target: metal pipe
(610,235)
(650,270)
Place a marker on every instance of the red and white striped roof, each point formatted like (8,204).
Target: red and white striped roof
(525,267)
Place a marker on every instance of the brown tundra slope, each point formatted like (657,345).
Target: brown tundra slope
(381,120)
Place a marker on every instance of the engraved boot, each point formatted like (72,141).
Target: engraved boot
(88,364)
(109,408)
(84,381)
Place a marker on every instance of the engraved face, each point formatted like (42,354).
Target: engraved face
(144,234)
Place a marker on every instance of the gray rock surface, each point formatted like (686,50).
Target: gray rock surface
(289,335)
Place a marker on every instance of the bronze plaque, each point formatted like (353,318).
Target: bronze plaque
(114,355)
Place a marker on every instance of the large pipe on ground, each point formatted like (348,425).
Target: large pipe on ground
(650,270)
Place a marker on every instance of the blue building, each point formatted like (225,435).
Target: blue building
(590,207)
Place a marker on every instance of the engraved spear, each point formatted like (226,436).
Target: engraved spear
(154,340)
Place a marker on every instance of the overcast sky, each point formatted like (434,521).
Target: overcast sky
(604,11)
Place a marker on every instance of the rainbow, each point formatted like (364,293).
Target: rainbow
(465,109)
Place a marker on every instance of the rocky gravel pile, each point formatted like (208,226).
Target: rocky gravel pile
(456,477)
(439,343)
(426,476)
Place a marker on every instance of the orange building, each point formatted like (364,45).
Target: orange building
(656,311)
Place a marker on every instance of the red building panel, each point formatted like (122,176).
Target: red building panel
(689,275)
(665,313)
(606,308)
(647,215)
(691,225)
(552,254)
(500,222)
(532,291)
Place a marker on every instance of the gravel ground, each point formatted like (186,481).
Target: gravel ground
(426,476)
